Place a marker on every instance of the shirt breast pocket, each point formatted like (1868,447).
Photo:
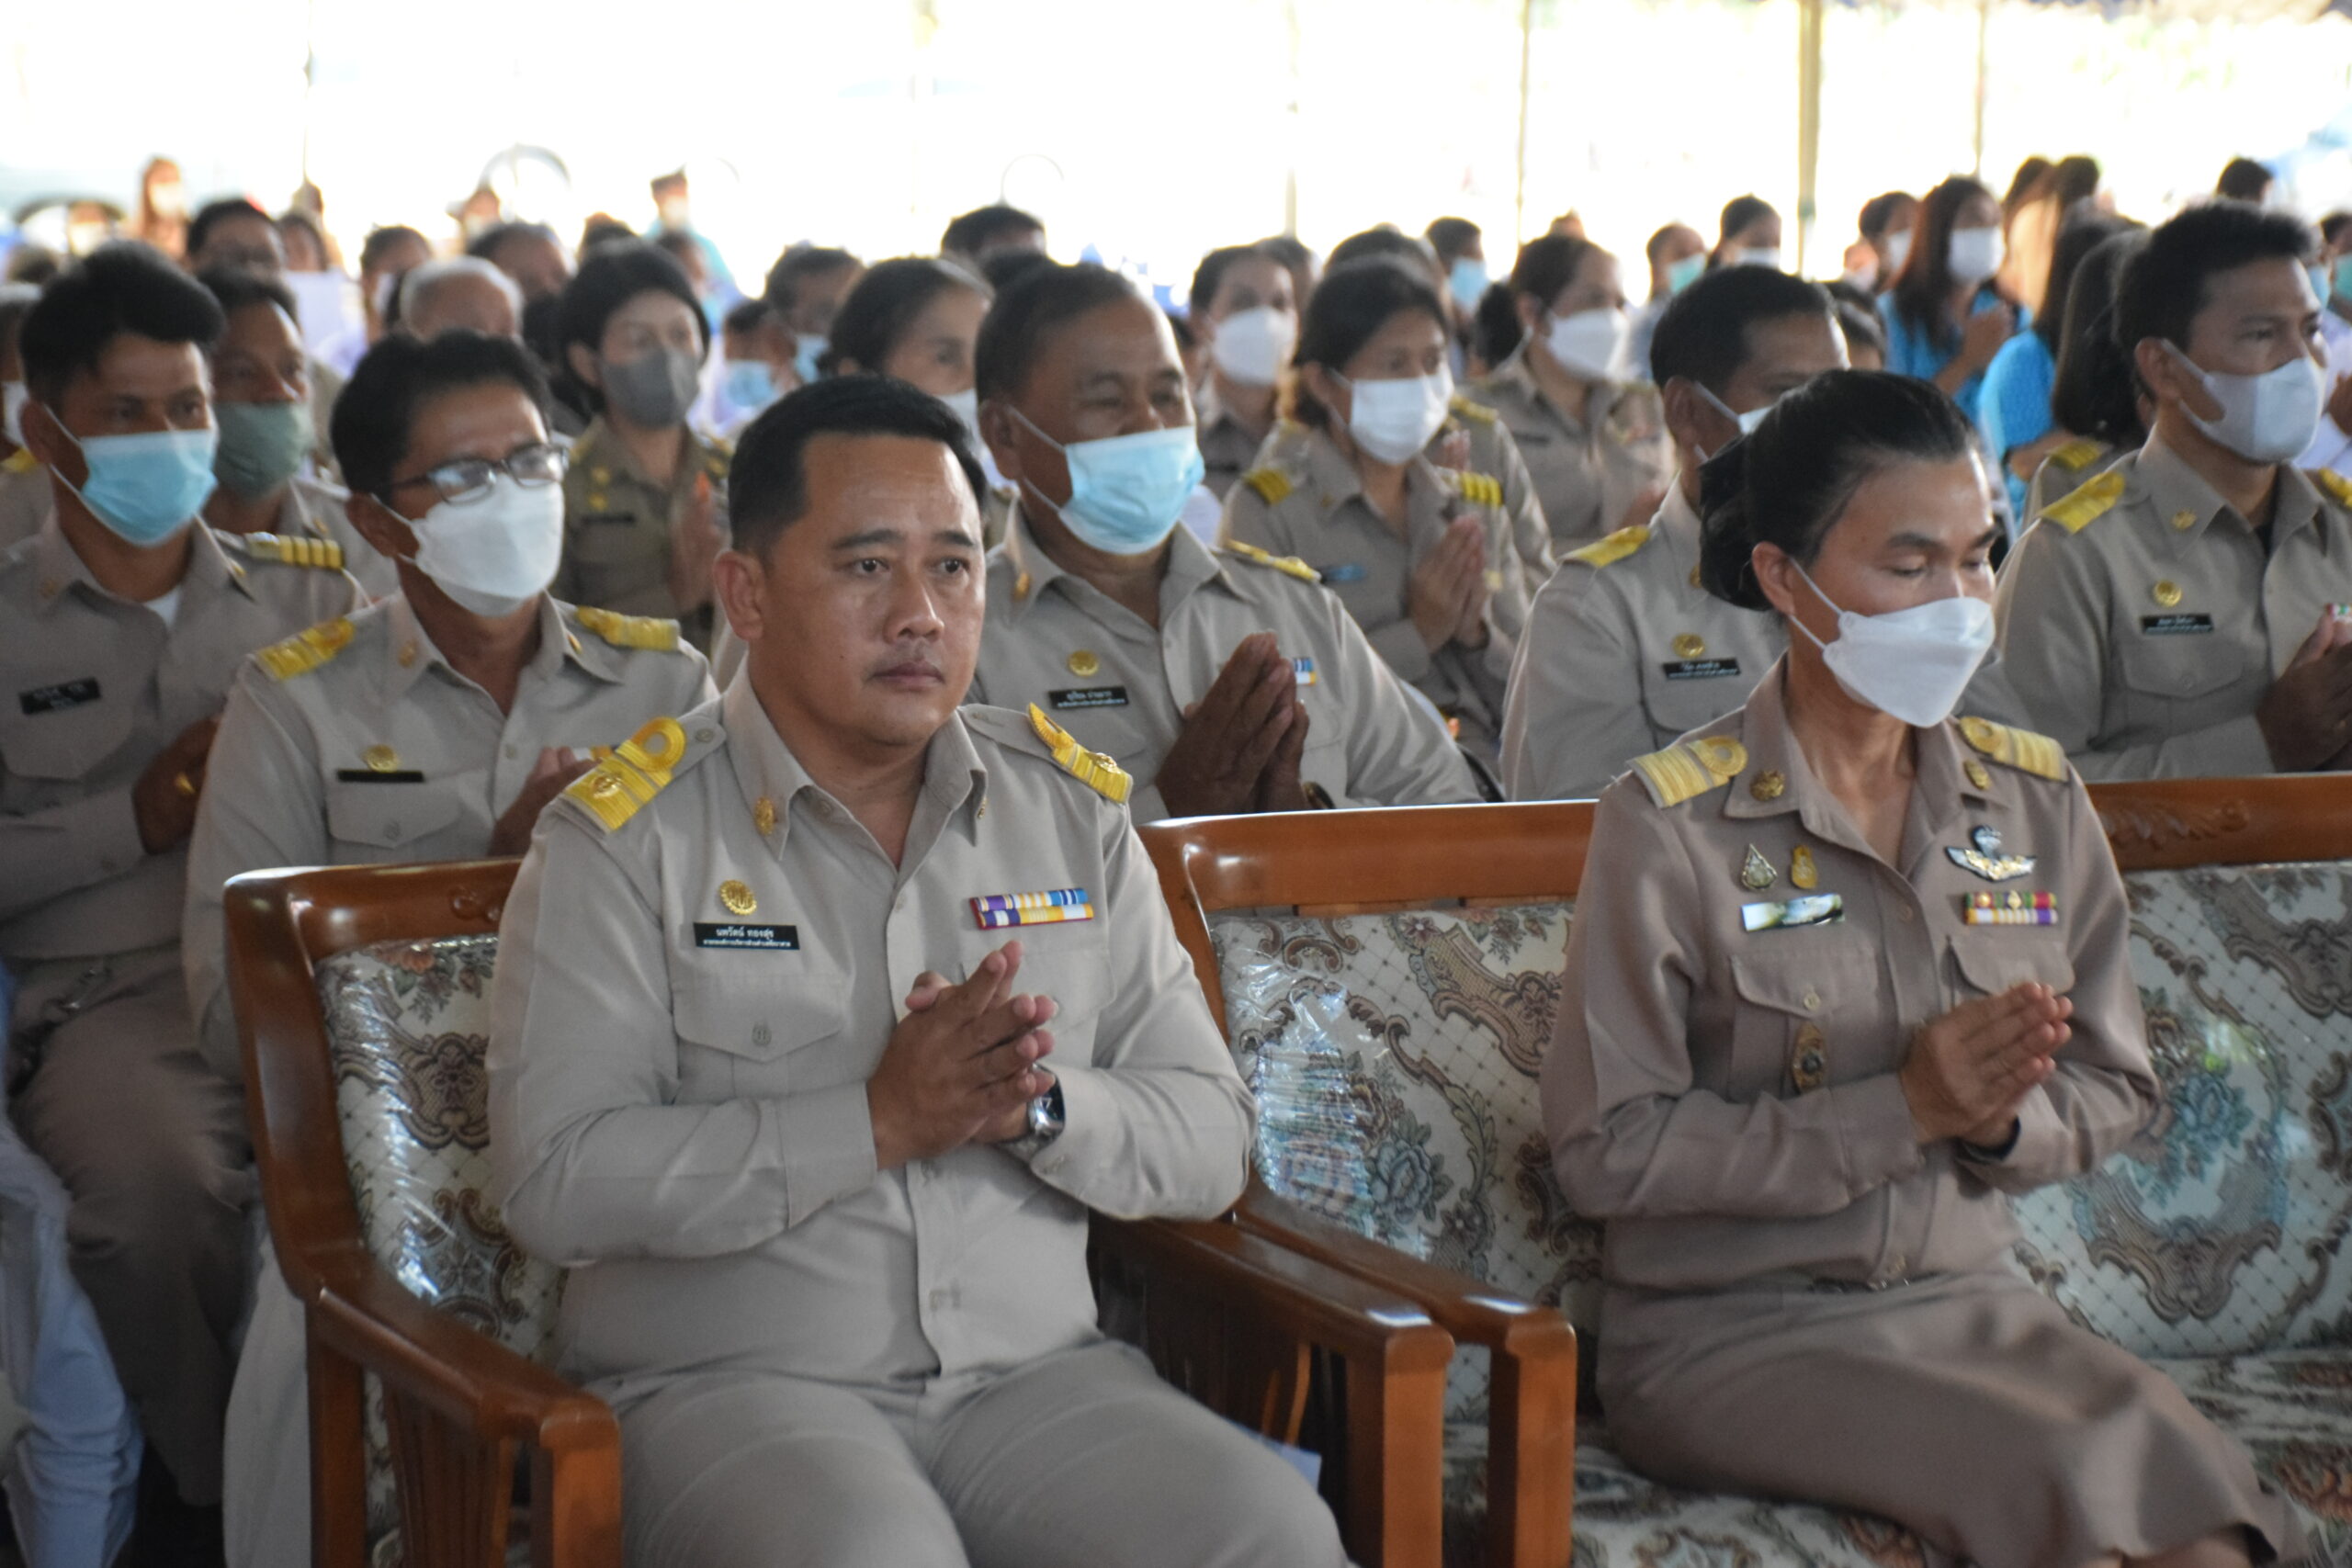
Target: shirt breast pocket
(1808,997)
(1071,963)
(2159,669)
(387,815)
(63,743)
(1679,704)
(1988,960)
(740,1034)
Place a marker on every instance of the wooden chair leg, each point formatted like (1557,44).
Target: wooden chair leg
(1396,1457)
(338,1462)
(576,1508)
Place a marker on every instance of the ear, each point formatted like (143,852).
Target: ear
(739,582)
(46,439)
(2169,380)
(1002,431)
(583,364)
(1692,420)
(1329,390)
(380,526)
(1776,573)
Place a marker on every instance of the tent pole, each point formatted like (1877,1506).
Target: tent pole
(1984,75)
(1526,64)
(1809,51)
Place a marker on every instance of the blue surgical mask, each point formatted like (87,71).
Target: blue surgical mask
(145,486)
(2318,275)
(1127,493)
(810,349)
(1468,282)
(1681,274)
(749,384)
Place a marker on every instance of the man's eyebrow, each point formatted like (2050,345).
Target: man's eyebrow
(870,538)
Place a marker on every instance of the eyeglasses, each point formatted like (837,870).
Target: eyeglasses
(469,479)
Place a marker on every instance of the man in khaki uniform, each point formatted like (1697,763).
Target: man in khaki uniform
(1219,682)
(2177,615)
(1594,475)
(818,1143)
(120,632)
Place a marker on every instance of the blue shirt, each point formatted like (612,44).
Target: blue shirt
(2013,407)
(1910,351)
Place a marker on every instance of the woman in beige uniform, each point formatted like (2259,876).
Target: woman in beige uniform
(1846,973)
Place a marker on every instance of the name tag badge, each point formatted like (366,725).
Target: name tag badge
(2182,625)
(1784,915)
(1345,571)
(56,699)
(1700,669)
(1088,697)
(371,775)
(757,938)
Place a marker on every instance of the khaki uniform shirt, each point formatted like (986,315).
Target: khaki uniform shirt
(94,686)
(1122,687)
(24,497)
(1313,507)
(1727,1098)
(356,743)
(1228,449)
(2143,623)
(688,1010)
(1587,474)
(618,521)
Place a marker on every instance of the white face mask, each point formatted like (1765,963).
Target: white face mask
(1394,420)
(496,553)
(2268,418)
(1588,343)
(1975,254)
(1913,663)
(13,396)
(967,404)
(1747,422)
(1898,251)
(1252,346)
(1764,256)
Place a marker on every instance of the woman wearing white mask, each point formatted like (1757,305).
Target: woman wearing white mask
(1424,558)
(1847,972)
(1246,312)
(1594,441)
(1946,317)
(434,724)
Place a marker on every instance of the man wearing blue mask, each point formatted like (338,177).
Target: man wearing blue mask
(122,624)
(1222,683)
(2182,613)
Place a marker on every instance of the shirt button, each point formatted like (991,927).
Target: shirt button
(1900,1267)
(1812,1001)
(1902,913)
(510,751)
(939,1301)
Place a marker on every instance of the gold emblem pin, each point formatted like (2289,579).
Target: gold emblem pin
(381,760)
(1689,645)
(1084,663)
(1694,577)
(1809,1058)
(1755,873)
(2168,594)
(764,816)
(604,786)
(407,654)
(2183,520)
(736,897)
(1801,868)
(1769,785)
(1978,774)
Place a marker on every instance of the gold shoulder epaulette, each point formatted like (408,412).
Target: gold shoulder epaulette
(1480,490)
(1273,485)
(2079,510)
(2333,484)
(2077,454)
(306,651)
(322,555)
(632,773)
(20,461)
(2019,749)
(1475,413)
(1290,566)
(1615,548)
(1688,768)
(1092,769)
(630,631)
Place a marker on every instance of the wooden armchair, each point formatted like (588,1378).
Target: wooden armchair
(317,957)
(1461,884)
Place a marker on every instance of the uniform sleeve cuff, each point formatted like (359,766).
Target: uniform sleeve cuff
(1881,1142)
(824,1146)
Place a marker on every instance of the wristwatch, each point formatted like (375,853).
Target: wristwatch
(1044,1123)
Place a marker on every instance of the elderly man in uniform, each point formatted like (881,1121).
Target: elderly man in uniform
(1221,683)
(2183,613)
(122,624)
(766,1074)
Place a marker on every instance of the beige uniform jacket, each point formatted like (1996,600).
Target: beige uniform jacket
(1122,686)
(1313,507)
(687,1011)
(618,521)
(25,498)
(1727,1098)
(356,742)
(2143,623)
(1587,473)
(95,687)
(1228,449)
(314,510)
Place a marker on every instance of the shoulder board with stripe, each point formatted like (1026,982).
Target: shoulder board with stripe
(630,631)
(1273,485)
(2079,510)
(1475,413)
(636,770)
(1480,490)
(2019,749)
(306,651)
(1688,768)
(20,461)
(1614,548)
(1092,769)
(1290,566)
(2078,453)
(2333,485)
(320,554)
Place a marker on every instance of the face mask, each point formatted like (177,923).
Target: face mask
(810,349)
(1975,254)
(1393,420)
(967,407)
(2318,274)
(749,383)
(654,389)
(1747,422)
(1898,251)
(1252,346)
(2265,419)
(497,552)
(1468,282)
(1913,663)
(1126,492)
(2341,287)
(145,486)
(1681,274)
(1762,256)
(12,412)
(262,444)
(1588,343)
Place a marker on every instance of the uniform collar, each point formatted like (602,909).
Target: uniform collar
(58,566)
(2175,492)
(1336,481)
(955,780)
(1676,527)
(1189,566)
(597,447)
(1513,373)
(409,650)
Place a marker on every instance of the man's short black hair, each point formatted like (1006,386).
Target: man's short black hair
(236,288)
(796,266)
(375,414)
(121,288)
(213,214)
(1449,237)
(746,316)
(1702,333)
(490,240)
(767,484)
(965,235)
(2165,285)
(2243,179)
(1026,314)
